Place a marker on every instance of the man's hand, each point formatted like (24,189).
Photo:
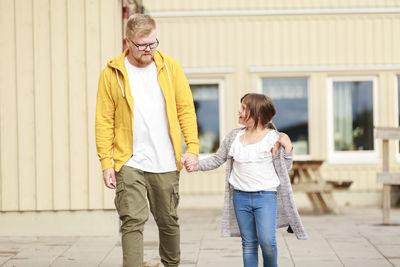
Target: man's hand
(109,178)
(284,141)
(190,162)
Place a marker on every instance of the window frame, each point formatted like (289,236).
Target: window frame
(351,157)
(309,102)
(221,105)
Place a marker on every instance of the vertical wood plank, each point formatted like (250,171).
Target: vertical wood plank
(93,69)
(43,114)
(25,105)
(387,41)
(109,25)
(118,35)
(60,104)
(8,110)
(396,38)
(77,104)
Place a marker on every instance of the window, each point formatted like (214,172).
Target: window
(206,97)
(290,98)
(351,119)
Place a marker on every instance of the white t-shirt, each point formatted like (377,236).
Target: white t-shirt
(152,146)
(253,169)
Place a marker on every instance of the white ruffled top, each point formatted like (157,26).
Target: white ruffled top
(253,169)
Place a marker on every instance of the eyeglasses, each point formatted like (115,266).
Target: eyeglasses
(143,47)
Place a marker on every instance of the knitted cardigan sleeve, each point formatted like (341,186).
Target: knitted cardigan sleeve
(219,157)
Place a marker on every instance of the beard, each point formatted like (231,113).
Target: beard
(146,59)
(140,60)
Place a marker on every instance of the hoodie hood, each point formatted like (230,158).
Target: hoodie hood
(119,61)
(118,64)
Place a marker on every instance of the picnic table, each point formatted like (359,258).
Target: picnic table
(306,177)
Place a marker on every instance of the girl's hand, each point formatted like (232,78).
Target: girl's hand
(191,165)
(284,141)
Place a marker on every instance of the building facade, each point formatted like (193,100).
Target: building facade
(332,69)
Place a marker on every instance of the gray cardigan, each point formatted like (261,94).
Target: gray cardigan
(287,211)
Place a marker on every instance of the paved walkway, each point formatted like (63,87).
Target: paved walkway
(355,238)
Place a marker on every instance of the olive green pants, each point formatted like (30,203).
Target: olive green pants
(134,188)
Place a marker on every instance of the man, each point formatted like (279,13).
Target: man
(143,100)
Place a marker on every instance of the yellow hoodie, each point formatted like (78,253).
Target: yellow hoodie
(114,111)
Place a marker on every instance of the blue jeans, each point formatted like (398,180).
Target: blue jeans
(256,217)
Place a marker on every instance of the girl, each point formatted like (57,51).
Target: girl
(257,188)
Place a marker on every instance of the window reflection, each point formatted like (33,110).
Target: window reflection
(353,115)
(206,102)
(290,98)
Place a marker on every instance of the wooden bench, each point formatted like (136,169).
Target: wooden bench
(306,177)
(385,177)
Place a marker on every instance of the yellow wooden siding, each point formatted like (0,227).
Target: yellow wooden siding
(53,53)
(43,116)
(60,105)
(8,109)
(282,40)
(179,5)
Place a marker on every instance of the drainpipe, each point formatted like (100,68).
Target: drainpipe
(129,7)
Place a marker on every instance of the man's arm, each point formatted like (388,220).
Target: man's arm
(186,114)
(105,112)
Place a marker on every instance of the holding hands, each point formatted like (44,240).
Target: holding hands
(190,162)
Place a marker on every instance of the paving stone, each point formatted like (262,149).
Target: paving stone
(36,255)
(354,238)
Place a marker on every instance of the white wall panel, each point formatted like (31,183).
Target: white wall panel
(43,105)
(93,68)
(60,105)
(9,181)
(25,105)
(76,30)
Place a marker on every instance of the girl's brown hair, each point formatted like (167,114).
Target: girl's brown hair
(260,108)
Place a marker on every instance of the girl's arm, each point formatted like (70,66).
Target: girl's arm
(219,157)
(216,159)
(284,146)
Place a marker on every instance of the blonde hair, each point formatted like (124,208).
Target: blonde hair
(141,24)
(259,107)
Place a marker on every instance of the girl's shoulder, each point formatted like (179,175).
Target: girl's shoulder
(234,132)
(230,137)
(273,134)
(270,139)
